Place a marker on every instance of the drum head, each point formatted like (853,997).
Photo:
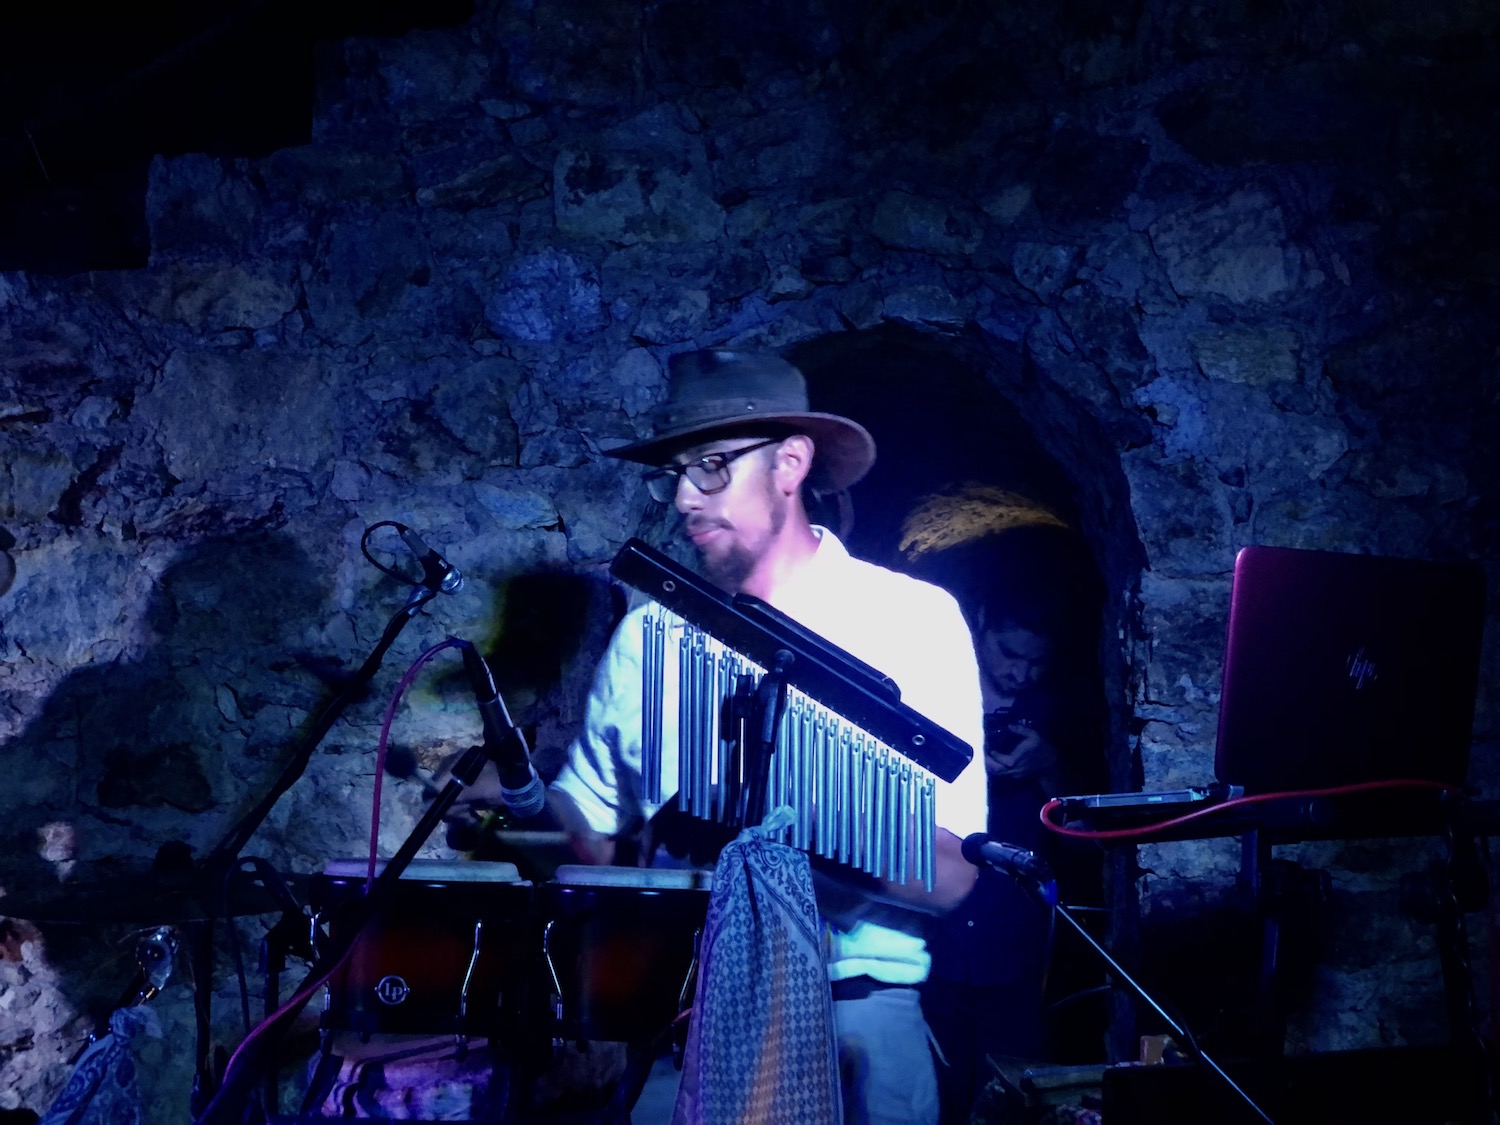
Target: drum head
(429,870)
(640,878)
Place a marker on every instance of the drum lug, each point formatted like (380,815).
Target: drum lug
(317,936)
(555,1000)
(463,991)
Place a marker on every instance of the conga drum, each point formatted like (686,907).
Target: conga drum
(620,946)
(447,955)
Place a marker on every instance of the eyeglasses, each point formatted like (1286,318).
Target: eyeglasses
(708,474)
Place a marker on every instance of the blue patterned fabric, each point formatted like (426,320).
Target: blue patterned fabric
(761,1048)
(102,1090)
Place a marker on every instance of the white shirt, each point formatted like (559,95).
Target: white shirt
(909,630)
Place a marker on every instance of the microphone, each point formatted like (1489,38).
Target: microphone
(982,851)
(438,574)
(520,787)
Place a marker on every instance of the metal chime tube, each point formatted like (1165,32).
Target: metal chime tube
(856,799)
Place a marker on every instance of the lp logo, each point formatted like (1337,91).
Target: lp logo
(392,990)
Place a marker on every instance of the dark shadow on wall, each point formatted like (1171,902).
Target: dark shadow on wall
(549,630)
(134,768)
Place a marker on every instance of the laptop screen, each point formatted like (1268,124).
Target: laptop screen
(1344,668)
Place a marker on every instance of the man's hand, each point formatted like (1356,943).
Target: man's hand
(1024,757)
(1030,756)
(955,877)
(845,893)
(588,845)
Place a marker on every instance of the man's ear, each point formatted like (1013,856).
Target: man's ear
(794,458)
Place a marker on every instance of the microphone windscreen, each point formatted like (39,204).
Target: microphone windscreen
(973,847)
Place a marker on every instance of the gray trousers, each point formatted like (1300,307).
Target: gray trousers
(885,1062)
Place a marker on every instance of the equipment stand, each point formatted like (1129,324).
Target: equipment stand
(230,1103)
(1047,897)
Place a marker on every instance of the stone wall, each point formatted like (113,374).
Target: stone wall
(1225,264)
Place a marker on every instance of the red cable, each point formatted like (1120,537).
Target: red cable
(385,732)
(308,987)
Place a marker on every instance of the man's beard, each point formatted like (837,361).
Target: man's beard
(729,570)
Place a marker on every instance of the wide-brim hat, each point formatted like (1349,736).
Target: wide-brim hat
(724,390)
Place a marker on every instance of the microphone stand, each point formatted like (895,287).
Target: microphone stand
(230,1100)
(1034,888)
(226,852)
(221,861)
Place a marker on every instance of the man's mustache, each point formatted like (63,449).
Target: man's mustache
(691,525)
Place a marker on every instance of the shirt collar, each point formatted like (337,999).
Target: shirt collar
(809,580)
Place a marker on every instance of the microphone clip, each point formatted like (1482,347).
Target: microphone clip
(1027,868)
(439,576)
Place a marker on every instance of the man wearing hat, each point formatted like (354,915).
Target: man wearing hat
(735,448)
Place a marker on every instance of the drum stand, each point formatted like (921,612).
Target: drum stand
(229,1104)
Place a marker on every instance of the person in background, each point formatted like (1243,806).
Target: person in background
(986,995)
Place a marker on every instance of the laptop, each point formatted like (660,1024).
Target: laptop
(1338,669)
(1348,668)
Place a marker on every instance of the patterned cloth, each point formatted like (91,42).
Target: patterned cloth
(761,1049)
(102,1090)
